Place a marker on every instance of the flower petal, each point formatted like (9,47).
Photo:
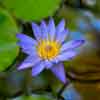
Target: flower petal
(51,29)
(44,30)
(37,31)
(65,56)
(60,26)
(29,62)
(71,45)
(48,64)
(27,48)
(62,36)
(59,72)
(38,68)
(26,39)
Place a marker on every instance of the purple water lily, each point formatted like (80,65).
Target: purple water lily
(49,49)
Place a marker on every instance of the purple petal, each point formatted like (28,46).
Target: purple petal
(59,72)
(37,31)
(60,26)
(64,56)
(48,64)
(71,45)
(44,30)
(51,29)
(37,68)
(27,48)
(62,36)
(26,39)
(29,62)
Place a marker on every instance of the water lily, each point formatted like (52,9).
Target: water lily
(49,50)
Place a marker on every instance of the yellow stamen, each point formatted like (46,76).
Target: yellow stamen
(48,49)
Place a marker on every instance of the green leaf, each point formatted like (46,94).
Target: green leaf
(8,48)
(35,97)
(32,9)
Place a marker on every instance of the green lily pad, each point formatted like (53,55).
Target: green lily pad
(32,9)
(8,47)
(35,97)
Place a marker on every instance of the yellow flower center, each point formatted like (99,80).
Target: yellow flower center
(48,49)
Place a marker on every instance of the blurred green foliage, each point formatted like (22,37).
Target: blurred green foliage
(8,47)
(31,9)
(35,97)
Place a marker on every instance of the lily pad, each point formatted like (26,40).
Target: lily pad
(32,9)
(8,47)
(34,97)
